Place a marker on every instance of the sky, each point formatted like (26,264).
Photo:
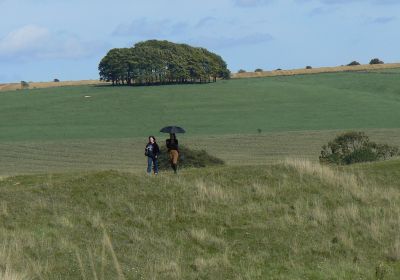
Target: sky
(41,40)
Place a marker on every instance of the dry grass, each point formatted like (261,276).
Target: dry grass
(201,264)
(8,274)
(212,192)
(207,240)
(3,209)
(224,223)
(16,86)
(355,184)
(324,173)
(10,250)
(168,269)
(365,67)
(393,253)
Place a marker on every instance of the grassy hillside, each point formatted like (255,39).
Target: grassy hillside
(127,154)
(61,129)
(292,220)
(316,102)
(260,217)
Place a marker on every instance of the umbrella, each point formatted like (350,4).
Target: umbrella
(172,129)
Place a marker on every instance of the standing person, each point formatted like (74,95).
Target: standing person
(173,150)
(152,151)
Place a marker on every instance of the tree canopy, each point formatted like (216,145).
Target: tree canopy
(161,62)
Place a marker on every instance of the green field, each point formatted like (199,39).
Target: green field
(316,102)
(75,202)
(57,129)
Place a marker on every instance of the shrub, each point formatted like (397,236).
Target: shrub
(353,63)
(188,158)
(24,85)
(242,71)
(352,147)
(279,69)
(56,80)
(308,67)
(376,61)
(258,70)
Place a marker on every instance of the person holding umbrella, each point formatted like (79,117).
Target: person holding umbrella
(172,144)
(173,150)
(151,151)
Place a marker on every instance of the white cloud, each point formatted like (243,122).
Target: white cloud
(145,28)
(35,42)
(380,20)
(322,11)
(26,38)
(250,3)
(222,42)
(206,21)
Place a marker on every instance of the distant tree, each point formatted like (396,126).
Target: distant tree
(56,80)
(24,85)
(279,69)
(258,70)
(242,71)
(353,63)
(308,67)
(376,61)
(161,62)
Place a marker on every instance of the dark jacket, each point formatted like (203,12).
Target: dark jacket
(172,144)
(152,150)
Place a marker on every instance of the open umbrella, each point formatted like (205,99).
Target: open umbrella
(172,129)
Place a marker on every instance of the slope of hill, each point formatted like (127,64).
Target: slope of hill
(319,70)
(277,104)
(37,85)
(291,72)
(292,220)
(97,128)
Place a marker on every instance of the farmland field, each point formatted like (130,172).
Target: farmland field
(102,127)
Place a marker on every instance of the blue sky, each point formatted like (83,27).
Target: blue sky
(45,39)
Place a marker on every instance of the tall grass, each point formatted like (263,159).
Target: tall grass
(292,220)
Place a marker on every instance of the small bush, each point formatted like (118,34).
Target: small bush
(24,85)
(188,158)
(56,80)
(308,67)
(353,147)
(353,63)
(258,70)
(242,71)
(376,61)
(279,69)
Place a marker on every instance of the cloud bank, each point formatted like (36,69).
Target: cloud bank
(32,42)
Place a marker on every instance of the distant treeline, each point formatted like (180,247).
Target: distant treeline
(161,62)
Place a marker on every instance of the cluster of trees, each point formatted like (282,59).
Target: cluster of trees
(373,61)
(161,62)
(376,61)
